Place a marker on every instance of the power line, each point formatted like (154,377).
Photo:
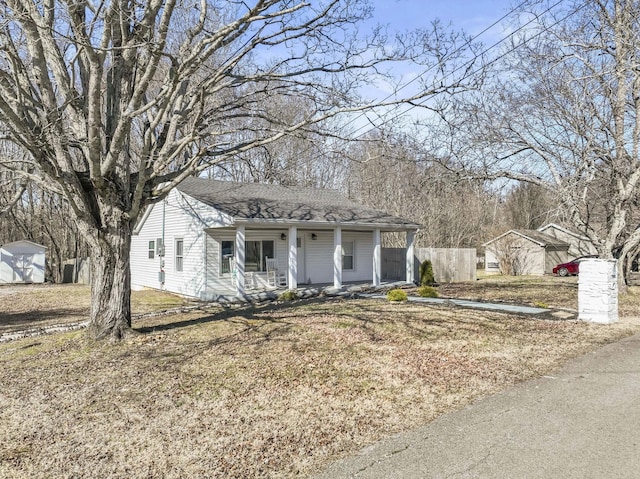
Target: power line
(466,45)
(471,61)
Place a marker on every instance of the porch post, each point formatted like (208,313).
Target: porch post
(239,260)
(292,279)
(337,258)
(410,254)
(377,258)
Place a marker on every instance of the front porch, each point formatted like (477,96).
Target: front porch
(237,259)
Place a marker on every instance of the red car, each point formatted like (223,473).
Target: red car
(570,268)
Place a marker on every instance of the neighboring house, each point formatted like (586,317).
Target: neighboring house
(524,252)
(22,262)
(210,239)
(579,245)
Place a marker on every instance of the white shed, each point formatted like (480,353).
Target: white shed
(22,262)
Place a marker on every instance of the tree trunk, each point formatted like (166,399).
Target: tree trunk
(111,283)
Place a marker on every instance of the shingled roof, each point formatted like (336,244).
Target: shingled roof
(269,203)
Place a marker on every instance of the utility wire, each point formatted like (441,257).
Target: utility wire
(466,45)
(471,61)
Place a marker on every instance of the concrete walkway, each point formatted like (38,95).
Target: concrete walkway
(465,303)
(581,422)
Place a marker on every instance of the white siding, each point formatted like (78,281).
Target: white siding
(181,219)
(221,284)
(319,256)
(491,263)
(363,260)
(530,255)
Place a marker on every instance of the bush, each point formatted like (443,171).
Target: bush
(427,292)
(288,296)
(426,273)
(397,295)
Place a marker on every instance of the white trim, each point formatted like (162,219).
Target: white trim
(175,255)
(522,235)
(353,255)
(143,219)
(327,225)
(238,255)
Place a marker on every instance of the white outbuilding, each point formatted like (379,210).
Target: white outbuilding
(22,262)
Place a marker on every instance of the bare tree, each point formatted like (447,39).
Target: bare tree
(394,172)
(529,206)
(42,217)
(307,157)
(562,112)
(118,102)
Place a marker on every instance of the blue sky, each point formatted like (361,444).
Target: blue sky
(468,15)
(473,17)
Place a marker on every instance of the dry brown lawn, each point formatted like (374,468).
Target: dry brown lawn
(37,306)
(278,390)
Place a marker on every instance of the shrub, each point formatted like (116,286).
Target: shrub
(397,295)
(288,296)
(426,273)
(427,292)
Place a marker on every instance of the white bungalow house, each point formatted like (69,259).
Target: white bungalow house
(211,239)
(22,262)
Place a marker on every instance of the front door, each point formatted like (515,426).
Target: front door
(302,273)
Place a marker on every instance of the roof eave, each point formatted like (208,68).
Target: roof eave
(327,224)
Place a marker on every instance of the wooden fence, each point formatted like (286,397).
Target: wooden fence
(449,264)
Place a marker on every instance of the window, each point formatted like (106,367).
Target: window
(179,254)
(256,251)
(347,255)
(152,249)
(227,249)
(254,258)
